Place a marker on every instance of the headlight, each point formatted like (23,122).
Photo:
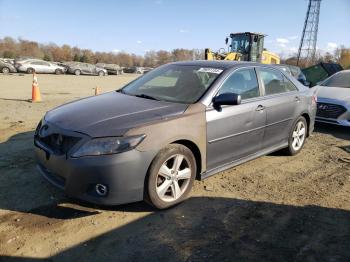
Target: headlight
(108,145)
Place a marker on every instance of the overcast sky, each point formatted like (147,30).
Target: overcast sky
(141,25)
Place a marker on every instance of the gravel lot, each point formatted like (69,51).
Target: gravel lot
(275,208)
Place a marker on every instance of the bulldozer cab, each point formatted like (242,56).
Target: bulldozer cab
(248,45)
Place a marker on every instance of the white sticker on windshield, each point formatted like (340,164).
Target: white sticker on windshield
(210,70)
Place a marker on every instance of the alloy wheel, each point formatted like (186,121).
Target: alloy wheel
(173,178)
(298,135)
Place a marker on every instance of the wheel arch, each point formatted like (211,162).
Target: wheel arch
(195,151)
(308,122)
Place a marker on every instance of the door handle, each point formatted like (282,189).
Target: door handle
(260,108)
(297,99)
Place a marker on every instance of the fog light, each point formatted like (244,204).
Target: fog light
(101,189)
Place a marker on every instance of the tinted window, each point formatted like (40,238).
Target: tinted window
(289,86)
(275,82)
(242,82)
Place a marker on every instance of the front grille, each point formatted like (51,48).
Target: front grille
(327,110)
(60,144)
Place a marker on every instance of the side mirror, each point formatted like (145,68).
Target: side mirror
(226,40)
(304,82)
(227,99)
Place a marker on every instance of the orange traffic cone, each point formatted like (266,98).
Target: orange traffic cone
(36,97)
(97,91)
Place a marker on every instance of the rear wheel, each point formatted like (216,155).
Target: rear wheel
(30,70)
(297,137)
(101,73)
(58,71)
(77,72)
(170,177)
(5,70)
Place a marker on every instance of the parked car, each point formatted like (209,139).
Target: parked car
(294,71)
(86,69)
(317,73)
(333,99)
(130,70)
(134,70)
(112,69)
(181,121)
(39,66)
(147,69)
(6,67)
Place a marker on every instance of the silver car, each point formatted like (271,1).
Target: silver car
(333,99)
(179,122)
(39,66)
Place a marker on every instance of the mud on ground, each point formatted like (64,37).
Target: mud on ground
(275,208)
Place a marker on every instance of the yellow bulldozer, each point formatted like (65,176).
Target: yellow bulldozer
(245,46)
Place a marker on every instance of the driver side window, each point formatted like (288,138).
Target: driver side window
(243,82)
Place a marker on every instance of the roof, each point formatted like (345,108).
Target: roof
(253,33)
(222,64)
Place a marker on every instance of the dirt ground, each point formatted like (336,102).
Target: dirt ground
(275,208)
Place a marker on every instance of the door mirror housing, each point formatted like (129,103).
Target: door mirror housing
(227,99)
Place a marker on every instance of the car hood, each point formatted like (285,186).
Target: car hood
(338,93)
(111,114)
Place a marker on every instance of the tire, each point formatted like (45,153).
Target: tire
(5,70)
(30,70)
(101,73)
(58,71)
(297,138)
(160,186)
(77,72)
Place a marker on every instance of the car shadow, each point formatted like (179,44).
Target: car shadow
(221,229)
(341,132)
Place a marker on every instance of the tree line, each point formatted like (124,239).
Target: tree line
(341,55)
(12,48)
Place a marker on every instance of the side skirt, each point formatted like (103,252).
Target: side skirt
(242,160)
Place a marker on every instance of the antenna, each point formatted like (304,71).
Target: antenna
(307,47)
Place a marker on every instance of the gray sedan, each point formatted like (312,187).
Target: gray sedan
(180,122)
(6,67)
(333,104)
(85,69)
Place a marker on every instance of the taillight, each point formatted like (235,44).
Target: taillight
(314,99)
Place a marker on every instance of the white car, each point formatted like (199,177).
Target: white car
(39,66)
(333,99)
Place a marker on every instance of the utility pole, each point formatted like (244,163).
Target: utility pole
(307,47)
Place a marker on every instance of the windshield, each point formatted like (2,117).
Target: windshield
(341,79)
(174,83)
(240,43)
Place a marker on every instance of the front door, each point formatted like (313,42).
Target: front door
(236,131)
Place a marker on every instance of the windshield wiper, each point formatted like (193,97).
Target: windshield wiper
(146,96)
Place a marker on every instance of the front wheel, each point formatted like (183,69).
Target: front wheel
(101,73)
(77,72)
(5,70)
(297,137)
(170,176)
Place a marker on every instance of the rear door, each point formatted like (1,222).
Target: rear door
(37,66)
(234,132)
(280,100)
(85,69)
